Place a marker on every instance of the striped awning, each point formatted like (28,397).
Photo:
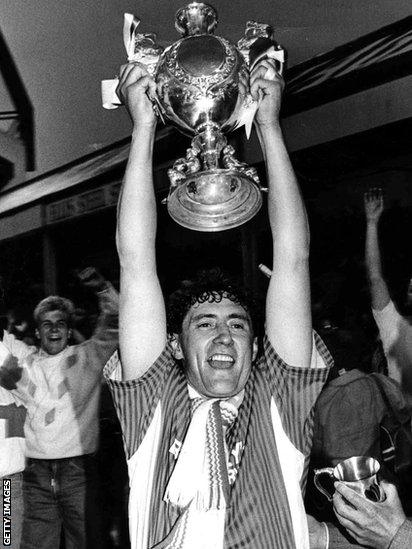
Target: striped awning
(374,59)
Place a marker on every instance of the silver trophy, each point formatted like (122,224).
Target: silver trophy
(198,91)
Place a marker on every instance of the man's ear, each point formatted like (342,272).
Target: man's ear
(70,333)
(176,347)
(255,348)
(37,333)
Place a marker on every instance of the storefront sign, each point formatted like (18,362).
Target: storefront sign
(80,204)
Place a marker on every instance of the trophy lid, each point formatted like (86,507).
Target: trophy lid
(196,18)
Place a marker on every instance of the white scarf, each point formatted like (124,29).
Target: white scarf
(199,483)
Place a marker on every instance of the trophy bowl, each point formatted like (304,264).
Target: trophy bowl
(198,91)
(198,76)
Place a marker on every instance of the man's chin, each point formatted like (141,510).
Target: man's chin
(223,390)
(53,349)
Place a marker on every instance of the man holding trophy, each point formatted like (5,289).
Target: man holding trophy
(217,436)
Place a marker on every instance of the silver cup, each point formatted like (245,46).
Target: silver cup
(198,91)
(359,473)
(197,83)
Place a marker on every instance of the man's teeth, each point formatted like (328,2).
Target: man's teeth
(221,358)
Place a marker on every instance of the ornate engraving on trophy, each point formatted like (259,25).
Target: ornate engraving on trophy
(199,90)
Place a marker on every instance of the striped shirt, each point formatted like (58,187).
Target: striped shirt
(269,445)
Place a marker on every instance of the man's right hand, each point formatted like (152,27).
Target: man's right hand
(371,524)
(137,90)
(373,201)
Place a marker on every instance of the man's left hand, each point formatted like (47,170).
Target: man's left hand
(372,524)
(266,86)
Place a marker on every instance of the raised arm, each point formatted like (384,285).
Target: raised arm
(288,314)
(373,201)
(105,339)
(142,318)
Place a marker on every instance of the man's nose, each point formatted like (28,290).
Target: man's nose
(224,335)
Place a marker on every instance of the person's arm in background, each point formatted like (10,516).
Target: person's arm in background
(380,525)
(142,316)
(390,323)
(105,338)
(288,314)
(373,202)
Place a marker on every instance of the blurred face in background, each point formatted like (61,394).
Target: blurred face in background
(53,331)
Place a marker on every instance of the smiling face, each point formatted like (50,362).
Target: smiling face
(217,347)
(53,331)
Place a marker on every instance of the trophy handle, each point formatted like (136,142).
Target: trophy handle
(325,471)
(257,43)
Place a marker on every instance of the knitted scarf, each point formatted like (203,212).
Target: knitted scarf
(199,484)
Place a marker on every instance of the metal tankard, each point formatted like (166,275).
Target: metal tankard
(199,91)
(359,473)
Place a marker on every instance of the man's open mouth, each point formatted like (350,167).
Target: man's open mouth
(221,361)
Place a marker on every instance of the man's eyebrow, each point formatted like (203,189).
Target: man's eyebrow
(195,318)
(240,316)
(51,322)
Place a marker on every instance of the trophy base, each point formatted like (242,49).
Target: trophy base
(214,200)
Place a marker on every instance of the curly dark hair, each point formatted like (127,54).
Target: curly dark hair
(211,286)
